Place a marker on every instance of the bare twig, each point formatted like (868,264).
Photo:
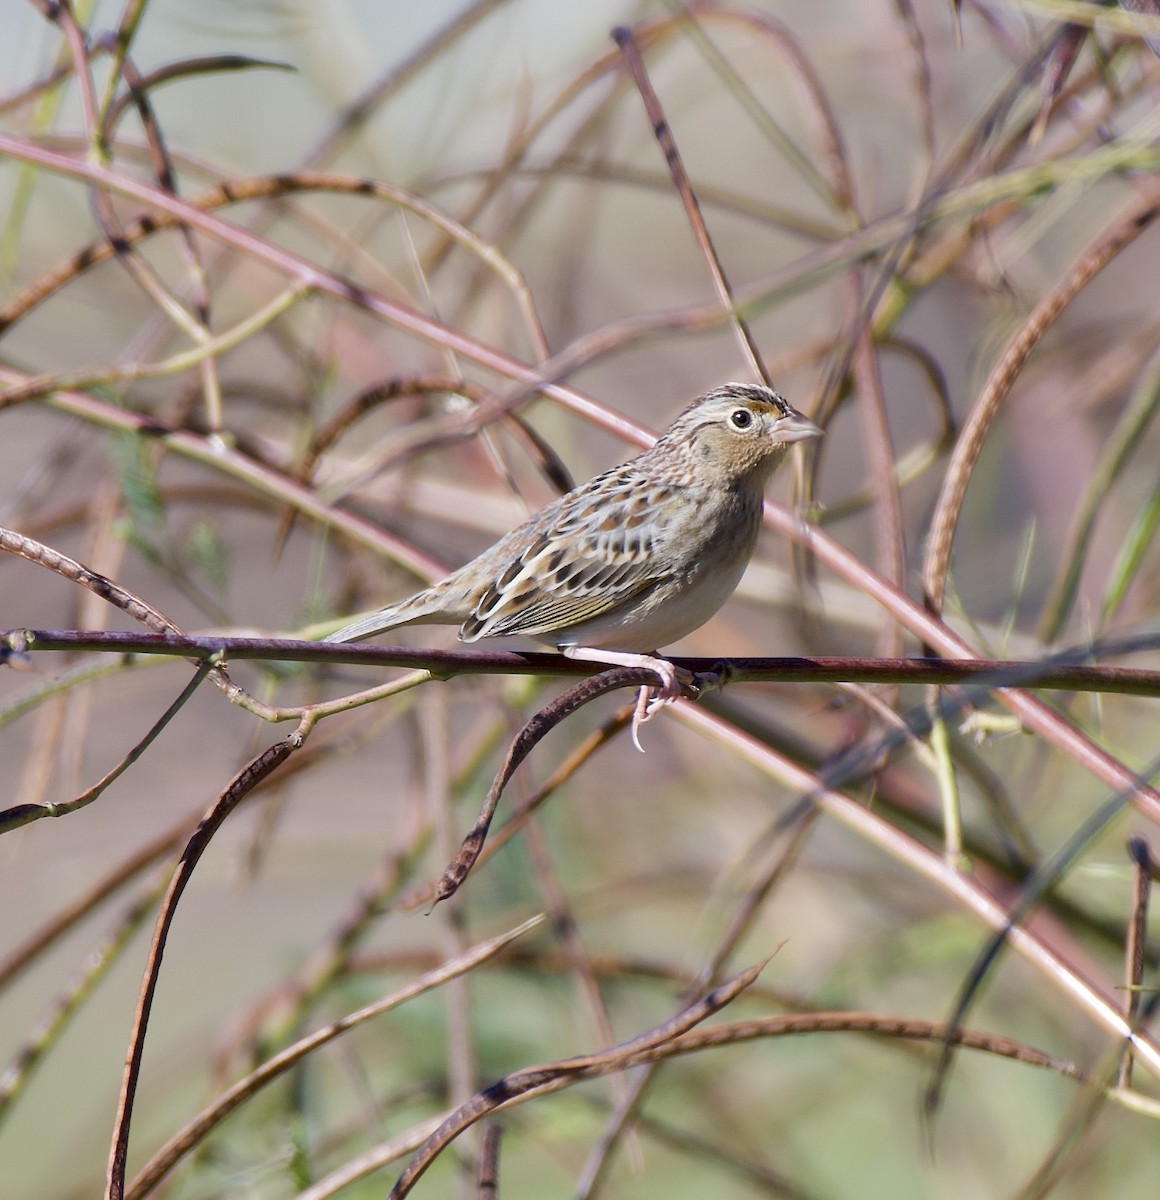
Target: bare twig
(250,777)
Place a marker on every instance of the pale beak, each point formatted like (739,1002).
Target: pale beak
(795,428)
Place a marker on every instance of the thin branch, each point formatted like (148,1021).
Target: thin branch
(1064,670)
(242,785)
(196,1131)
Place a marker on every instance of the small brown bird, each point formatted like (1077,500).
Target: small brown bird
(631,560)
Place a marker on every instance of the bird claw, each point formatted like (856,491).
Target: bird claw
(650,700)
(646,705)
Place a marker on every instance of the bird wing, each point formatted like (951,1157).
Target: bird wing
(585,556)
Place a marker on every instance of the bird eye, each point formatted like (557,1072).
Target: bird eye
(741,418)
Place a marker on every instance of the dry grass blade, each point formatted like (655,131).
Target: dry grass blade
(547,1077)
(193,1134)
(668,145)
(1122,232)
(1136,946)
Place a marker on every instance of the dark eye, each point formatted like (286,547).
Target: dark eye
(741,418)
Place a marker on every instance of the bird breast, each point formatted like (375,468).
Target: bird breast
(702,572)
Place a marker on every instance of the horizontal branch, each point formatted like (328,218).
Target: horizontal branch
(1063,672)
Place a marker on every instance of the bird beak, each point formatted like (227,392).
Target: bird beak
(795,428)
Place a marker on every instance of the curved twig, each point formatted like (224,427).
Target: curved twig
(542,723)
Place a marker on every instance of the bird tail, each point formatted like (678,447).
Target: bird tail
(412,611)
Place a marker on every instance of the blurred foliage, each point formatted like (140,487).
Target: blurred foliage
(941,237)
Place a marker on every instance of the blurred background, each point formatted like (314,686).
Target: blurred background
(892,189)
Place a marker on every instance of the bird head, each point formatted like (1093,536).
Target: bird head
(737,431)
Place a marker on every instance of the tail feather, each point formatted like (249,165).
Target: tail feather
(415,610)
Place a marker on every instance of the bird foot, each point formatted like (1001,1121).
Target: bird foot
(675,681)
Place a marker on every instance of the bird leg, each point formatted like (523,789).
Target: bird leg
(649,700)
